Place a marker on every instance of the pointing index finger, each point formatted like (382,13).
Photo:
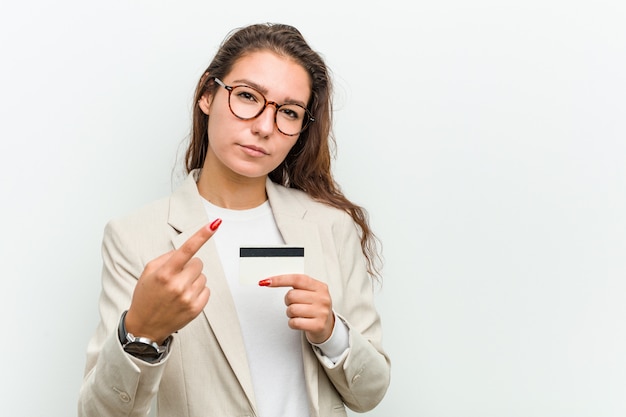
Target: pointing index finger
(192,245)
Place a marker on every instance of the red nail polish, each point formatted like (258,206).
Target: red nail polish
(265,282)
(216,223)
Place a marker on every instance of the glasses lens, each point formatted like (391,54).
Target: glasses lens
(248,103)
(290,118)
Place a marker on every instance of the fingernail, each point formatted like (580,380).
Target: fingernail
(265,282)
(216,223)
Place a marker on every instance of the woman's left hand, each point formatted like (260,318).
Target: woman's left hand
(309,306)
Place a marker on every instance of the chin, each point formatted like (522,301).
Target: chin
(251,173)
(246,170)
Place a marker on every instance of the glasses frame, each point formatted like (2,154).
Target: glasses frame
(308,119)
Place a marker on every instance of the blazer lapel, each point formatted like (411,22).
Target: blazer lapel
(187,215)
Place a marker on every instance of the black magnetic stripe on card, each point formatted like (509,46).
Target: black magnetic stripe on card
(270,252)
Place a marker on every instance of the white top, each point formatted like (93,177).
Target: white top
(273,348)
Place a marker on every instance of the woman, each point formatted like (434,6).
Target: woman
(176,321)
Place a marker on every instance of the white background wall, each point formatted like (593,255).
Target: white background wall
(486,138)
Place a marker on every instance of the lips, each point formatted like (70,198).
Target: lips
(254,150)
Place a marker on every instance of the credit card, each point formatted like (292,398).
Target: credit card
(260,262)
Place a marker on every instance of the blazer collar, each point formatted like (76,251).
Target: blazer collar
(187,213)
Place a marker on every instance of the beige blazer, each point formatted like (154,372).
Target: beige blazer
(206,372)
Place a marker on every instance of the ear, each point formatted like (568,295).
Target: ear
(205,103)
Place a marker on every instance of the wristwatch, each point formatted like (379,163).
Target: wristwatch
(141,347)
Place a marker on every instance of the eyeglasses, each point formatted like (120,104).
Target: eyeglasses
(247,103)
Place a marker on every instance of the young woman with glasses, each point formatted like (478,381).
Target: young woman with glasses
(179,324)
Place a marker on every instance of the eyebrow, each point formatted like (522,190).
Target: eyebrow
(264,91)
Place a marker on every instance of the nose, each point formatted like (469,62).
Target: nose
(264,122)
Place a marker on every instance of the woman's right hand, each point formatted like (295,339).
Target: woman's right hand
(171,291)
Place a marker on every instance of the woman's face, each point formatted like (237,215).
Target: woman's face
(253,148)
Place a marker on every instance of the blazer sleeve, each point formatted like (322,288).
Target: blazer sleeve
(363,375)
(115,383)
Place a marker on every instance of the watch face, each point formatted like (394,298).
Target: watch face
(141,349)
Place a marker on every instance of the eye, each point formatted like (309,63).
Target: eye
(247,96)
(291,112)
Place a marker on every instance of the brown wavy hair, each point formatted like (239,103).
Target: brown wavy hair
(307,166)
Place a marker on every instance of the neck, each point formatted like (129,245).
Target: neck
(232,192)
